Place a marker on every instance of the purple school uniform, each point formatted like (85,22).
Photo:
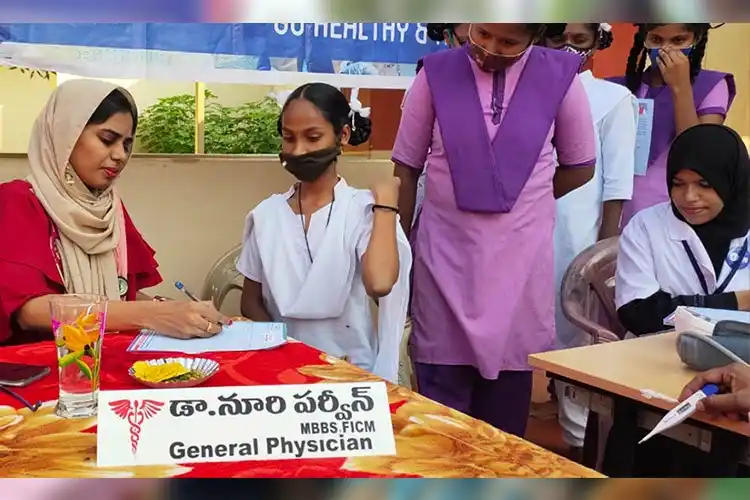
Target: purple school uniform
(713,93)
(483,296)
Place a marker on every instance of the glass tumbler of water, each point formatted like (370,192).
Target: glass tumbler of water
(78,322)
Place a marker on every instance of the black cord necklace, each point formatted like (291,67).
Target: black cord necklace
(302,217)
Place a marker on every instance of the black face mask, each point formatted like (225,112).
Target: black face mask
(310,166)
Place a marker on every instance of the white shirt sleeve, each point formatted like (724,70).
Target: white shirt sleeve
(364,231)
(636,272)
(249,263)
(618,138)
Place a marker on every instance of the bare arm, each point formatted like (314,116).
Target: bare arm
(251,303)
(675,70)
(618,132)
(611,214)
(575,141)
(407,194)
(121,316)
(380,265)
(743,300)
(570,179)
(685,115)
(380,261)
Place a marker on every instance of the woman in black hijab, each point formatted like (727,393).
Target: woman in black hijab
(717,154)
(708,177)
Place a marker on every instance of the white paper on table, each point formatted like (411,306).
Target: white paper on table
(239,336)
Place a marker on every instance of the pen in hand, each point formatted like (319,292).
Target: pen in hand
(181,287)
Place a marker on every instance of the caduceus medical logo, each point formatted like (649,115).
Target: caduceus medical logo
(135,413)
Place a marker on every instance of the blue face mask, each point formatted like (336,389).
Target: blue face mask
(653,54)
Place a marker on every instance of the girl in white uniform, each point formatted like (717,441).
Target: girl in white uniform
(591,212)
(692,251)
(315,256)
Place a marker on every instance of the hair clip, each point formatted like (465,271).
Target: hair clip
(356,107)
(717,26)
(605,27)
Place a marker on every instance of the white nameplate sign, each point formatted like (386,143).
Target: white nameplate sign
(233,424)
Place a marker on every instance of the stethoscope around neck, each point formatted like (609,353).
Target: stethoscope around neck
(735,264)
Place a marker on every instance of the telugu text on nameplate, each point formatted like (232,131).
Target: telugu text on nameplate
(233,424)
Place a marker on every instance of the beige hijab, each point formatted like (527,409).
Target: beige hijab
(90,224)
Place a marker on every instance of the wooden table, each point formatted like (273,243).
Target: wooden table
(431,439)
(606,376)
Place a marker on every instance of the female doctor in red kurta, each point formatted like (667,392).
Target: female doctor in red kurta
(64,229)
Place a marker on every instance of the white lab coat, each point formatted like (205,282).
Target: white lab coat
(324,303)
(652,258)
(579,213)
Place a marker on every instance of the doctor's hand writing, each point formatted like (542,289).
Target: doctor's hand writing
(180,319)
(385,191)
(734,400)
(675,68)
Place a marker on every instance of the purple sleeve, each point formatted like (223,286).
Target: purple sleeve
(717,100)
(414,135)
(574,139)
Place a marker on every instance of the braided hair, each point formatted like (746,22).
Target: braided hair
(606,37)
(639,53)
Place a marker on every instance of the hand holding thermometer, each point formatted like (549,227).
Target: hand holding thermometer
(682,412)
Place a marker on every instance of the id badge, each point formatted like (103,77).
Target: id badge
(643,135)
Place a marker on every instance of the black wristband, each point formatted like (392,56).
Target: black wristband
(700,301)
(385,207)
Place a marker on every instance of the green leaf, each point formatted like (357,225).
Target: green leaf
(84,369)
(168,127)
(69,358)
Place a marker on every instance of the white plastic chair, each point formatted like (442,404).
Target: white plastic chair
(223,278)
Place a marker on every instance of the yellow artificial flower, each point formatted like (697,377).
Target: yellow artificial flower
(76,339)
(158,372)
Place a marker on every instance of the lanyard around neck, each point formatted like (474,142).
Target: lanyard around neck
(733,268)
(302,217)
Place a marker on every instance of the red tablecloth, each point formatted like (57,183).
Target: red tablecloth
(431,440)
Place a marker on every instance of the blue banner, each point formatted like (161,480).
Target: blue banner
(351,54)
